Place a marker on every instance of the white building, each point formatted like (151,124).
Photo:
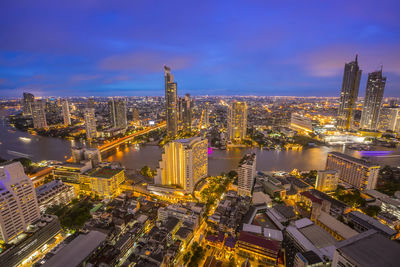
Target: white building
(246,174)
(327,180)
(18,203)
(183,163)
(54,193)
(65,112)
(90,123)
(39,115)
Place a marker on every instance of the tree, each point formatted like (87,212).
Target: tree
(146,171)
(372,211)
(187,256)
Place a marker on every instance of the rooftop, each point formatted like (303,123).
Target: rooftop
(259,241)
(353,159)
(105,172)
(356,215)
(311,257)
(337,226)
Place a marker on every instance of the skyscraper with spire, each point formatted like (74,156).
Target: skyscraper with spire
(373,100)
(171,102)
(349,94)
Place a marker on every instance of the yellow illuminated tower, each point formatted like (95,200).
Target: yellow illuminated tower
(237,121)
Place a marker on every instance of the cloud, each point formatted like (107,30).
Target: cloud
(84,77)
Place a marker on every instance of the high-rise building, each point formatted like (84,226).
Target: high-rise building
(327,180)
(349,94)
(18,204)
(117,108)
(353,171)
(65,112)
(183,163)
(90,123)
(135,115)
(186,113)
(373,100)
(171,102)
(206,119)
(39,115)
(27,104)
(90,103)
(237,121)
(51,105)
(246,173)
(389,119)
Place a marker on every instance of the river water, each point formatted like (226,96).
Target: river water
(134,157)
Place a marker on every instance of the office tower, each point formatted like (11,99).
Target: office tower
(186,114)
(18,204)
(389,119)
(27,104)
(246,174)
(39,115)
(171,102)
(51,106)
(65,112)
(135,114)
(206,119)
(349,94)
(353,171)
(327,180)
(183,163)
(90,103)
(90,123)
(117,108)
(237,121)
(373,100)
(301,123)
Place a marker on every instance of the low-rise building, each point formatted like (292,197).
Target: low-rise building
(54,193)
(363,222)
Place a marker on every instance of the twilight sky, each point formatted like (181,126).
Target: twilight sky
(249,47)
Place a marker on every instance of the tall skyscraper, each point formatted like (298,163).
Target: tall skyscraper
(39,114)
(186,114)
(183,163)
(18,203)
(237,121)
(117,108)
(206,119)
(27,104)
(65,112)
(171,102)
(135,115)
(389,119)
(349,94)
(246,174)
(373,100)
(90,123)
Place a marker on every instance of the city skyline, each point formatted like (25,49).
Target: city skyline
(118,49)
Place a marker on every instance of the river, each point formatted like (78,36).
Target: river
(134,157)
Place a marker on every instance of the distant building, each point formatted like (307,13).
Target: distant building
(65,112)
(171,104)
(327,180)
(90,123)
(353,171)
(54,193)
(246,174)
(117,109)
(363,222)
(39,115)
(135,115)
(308,259)
(237,121)
(103,181)
(27,104)
(183,163)
(349,94)
(185,113)
(373,100)
(368,249)
(389,119)
(301,123)
(18,202)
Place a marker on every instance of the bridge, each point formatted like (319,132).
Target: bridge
(107,146)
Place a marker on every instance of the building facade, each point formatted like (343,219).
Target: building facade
(90,123)
(18,203)
(39,114)
(65,112)
(171,104)
(185,113)
(327,180)
(54,193)
(237,121)
(353,171)
(27,104)
(301,123)
(389,119)
(349,94)
(246,173)
(117,108)
(183,163)
(373,100)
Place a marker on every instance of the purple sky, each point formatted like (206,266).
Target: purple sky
(251,47)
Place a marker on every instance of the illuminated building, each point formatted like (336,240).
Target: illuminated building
(246,173)
(18,203)
(372,100)
(65,112)
(257,249)
(27,104)
(183,163)
(70,173)
(327,180)
(90,123)
(39,115)
(135,115)
(103,181)
(237,121)
(356,172)
(117,109)
(300,123)
(54,193)
(185,113)
(349,94)
(389,119)
(171,102)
